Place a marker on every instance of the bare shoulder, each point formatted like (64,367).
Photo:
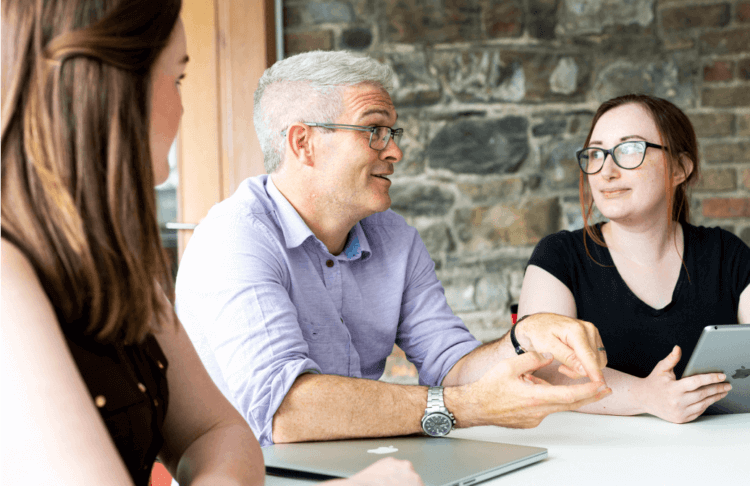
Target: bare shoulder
(41,384)
(21,290)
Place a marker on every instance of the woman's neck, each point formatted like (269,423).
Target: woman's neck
(647,244)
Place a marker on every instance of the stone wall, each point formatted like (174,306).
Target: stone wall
(496,95)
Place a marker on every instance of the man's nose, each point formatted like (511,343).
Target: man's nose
(392,152)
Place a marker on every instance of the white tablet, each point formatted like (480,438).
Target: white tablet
(725,349)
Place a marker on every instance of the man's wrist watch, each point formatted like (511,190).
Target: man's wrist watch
(437,420)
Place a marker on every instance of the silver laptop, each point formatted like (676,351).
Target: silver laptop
(439,461)
(725,349)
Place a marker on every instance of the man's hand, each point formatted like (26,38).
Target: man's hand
(509,395)
(680,401)
(390,471)
(574,343)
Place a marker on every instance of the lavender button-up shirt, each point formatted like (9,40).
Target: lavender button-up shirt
(264,301)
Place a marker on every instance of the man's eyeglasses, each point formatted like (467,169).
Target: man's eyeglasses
(627,155)
(379,136)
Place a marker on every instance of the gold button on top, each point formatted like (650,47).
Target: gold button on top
(100,401)
(329,263)
(160,364)
(142,387)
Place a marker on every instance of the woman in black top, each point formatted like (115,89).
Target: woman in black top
(647,279)
(99,377)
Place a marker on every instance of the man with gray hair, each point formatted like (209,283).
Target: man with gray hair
(296,288)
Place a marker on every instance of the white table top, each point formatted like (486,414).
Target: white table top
(634,451)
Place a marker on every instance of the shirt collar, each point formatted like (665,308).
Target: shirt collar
(292,225)
(296,230)
(357,245)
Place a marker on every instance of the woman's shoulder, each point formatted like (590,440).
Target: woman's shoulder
(711,236)
(19,276)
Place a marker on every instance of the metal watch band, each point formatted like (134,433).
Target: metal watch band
(436,404)
(519,349)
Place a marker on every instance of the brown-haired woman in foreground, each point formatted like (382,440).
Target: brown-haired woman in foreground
(99,378)
(647,279)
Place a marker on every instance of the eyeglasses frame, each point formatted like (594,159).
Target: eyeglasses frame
(392,132)
(611,152)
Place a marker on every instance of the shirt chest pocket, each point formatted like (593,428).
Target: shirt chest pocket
(329,345)
(124,404)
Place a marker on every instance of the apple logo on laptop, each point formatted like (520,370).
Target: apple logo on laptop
(383,450)
(741,373)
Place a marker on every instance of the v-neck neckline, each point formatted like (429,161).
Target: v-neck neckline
(677,288)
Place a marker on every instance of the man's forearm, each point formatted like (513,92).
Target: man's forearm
(475,364)
(327,407)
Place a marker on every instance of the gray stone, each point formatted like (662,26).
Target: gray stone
(356,38)
(580,123)
(414,84)
(564,79)
(492,190)
(560,168)
(437,238)
(513,76)
(460,295)
(659,78)
(420,200)
(480,147)
(543,18)
(745,235)
(552,125)
(573,219)
(471,265)
(491,293)
(411,144)
(330,12)
(579,17)
(516,224)
(429,21)
(481,76)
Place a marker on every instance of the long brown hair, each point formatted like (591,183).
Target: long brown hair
(678,136)
(77,181)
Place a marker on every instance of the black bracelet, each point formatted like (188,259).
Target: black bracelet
(513,340)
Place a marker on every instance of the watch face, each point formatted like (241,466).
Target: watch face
(437,425)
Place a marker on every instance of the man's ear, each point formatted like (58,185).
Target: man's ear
(683,170)
(299,143)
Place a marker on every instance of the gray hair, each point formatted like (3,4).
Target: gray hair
(308,87)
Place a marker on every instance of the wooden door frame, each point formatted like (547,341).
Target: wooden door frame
(230,44)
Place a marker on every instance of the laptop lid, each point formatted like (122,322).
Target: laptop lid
(725,349)
(439,461)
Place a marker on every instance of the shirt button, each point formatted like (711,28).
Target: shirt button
(100,401)
(329,263)
(160,364)
(142,387)
(156,402)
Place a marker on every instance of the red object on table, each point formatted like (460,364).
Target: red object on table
(160,476)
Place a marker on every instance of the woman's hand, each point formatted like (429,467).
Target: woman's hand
(388,471)
(680,401)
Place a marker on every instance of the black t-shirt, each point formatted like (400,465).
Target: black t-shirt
(636,335)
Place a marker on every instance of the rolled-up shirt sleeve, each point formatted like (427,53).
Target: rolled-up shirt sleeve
(431,336)
(236,287)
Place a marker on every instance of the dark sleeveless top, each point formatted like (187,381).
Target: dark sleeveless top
(128,385)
